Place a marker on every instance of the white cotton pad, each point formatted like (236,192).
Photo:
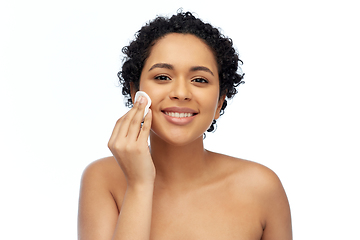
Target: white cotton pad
(141,93)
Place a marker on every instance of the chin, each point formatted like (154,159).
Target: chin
(178,138)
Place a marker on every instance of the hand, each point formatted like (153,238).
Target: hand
(128,144)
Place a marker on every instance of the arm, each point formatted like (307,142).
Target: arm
(98,215)
(98,212)
(99,218)
(277,210)
(135,217)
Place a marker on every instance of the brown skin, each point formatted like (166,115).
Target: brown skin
(177,189)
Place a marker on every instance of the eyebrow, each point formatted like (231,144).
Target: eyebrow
(171,67)
(162,65)
(201,68)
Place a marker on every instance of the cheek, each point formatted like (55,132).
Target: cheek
(147,87)
(209,100)
(154,93)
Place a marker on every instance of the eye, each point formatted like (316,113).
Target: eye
(200,80)
(162,78)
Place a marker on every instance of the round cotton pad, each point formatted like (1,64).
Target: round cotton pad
(141,93)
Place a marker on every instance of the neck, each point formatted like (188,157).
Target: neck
(178,165)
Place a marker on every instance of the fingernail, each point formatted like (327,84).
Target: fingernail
(141,99)
(138,100)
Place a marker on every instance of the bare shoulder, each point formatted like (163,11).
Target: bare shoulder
(263,188)
(101,193)
(102,165)
(103,170)
(244,170)
(105,175)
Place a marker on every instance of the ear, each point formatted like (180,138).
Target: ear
(220,104)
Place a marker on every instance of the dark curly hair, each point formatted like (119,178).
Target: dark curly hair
(139,50)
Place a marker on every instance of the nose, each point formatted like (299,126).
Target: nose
(181,90)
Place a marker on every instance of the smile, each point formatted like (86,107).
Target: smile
(179,115)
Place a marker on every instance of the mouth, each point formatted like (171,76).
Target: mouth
(179,114)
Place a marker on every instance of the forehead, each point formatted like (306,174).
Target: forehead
(182,50)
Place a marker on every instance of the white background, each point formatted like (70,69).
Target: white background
(298,112)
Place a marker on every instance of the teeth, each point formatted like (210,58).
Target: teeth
(178,115)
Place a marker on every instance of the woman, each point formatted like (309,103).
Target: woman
(174,188)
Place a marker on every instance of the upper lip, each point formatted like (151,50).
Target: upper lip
(179,110)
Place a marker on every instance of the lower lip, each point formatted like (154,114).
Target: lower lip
(179,121)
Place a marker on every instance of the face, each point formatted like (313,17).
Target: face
(181,78)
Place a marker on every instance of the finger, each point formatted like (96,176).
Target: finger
(146,127)
(117,127)
(135,124)
(126,121)
(122,125)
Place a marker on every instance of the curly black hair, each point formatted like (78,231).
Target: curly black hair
(186,23)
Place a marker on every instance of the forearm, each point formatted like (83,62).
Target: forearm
(134,220)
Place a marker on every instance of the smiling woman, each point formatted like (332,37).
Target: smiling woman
(174,188)
(182,76)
